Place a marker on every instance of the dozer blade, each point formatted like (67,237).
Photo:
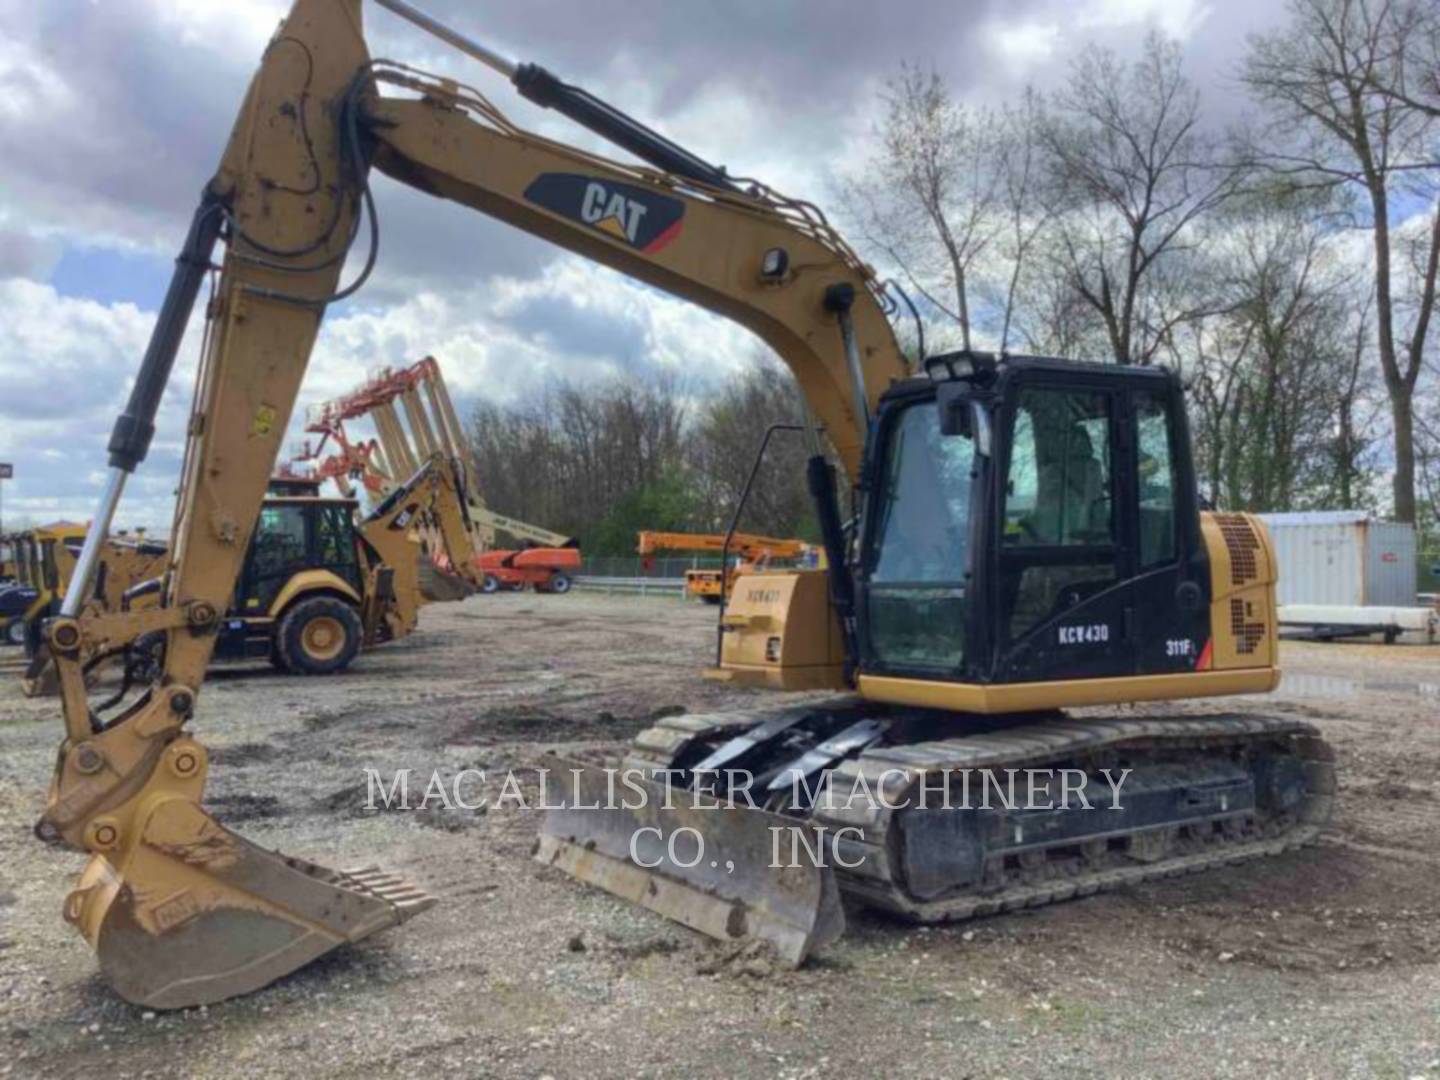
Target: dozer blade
(730,889)
(200,914)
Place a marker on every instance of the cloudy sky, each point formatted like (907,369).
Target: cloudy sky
(113,114)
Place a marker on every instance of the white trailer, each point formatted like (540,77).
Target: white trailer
(1344,573)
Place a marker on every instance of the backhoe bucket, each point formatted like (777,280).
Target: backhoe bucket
(40,679)
(741,880)
(442,586)
(200,914)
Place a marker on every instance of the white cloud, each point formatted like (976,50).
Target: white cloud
(113,114)
(1022,46)
(68,364)
(1177,18)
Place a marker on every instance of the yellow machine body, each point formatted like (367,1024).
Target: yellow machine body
(781,632)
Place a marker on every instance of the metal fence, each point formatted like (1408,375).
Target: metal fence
(672,587)
(635,566)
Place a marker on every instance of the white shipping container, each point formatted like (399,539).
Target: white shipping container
(1343,557)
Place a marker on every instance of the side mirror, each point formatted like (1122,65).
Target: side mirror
(954,405)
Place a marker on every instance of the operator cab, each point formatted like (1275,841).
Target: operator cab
(294,535)
(1030,520)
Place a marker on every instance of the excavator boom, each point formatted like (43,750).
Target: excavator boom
(181,910)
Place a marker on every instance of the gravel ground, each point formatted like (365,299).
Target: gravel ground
(1324,962)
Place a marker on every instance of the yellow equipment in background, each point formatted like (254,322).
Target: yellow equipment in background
(755,553)
(47,563)
(318,585)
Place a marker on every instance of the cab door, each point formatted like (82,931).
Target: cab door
(278,551)
(1172,583)
(1062,565)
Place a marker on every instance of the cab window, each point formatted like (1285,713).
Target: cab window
(1157,486)
(1058,545)
(279,540)
(1057,492)
(916,586)
(334,536)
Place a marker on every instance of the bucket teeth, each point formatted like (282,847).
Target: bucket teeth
(409,899)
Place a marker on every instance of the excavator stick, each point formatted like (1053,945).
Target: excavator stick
(724,870)
(180,910)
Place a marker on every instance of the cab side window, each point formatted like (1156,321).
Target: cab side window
(279,545)
(334,537)
(1058,488)
(1156,479)
(1058,541)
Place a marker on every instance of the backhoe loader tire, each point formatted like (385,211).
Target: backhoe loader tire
(319,636)
(15,632)
(491,584)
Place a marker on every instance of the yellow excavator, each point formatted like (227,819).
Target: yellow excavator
(1023,535)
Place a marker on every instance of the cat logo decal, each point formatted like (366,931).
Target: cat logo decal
(638,216)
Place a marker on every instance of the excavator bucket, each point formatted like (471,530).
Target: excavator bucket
(724,870)
(199,914)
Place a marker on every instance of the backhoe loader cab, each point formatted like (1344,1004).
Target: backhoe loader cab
(299,599)
(43,558)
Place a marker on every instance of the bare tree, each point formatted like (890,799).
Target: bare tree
(1344,96)
(1272,372)
(1027,214)
(1134,171)
(589,461)
(728,431)
(930,193)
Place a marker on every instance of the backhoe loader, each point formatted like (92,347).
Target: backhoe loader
(1006,556)
(318,585)
(47,566)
